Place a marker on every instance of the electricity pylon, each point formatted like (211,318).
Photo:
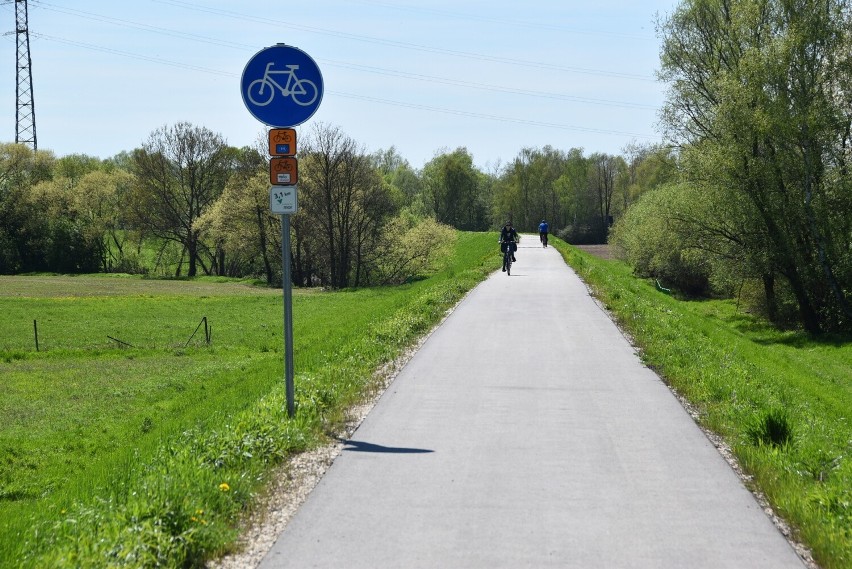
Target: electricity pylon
(25,127)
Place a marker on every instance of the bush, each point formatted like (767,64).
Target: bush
(410,248)
(647,238)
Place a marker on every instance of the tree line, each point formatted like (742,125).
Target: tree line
(363,218)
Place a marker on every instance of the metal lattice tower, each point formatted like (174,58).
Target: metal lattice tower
(25,127)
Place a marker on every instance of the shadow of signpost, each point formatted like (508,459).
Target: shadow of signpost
(361,446)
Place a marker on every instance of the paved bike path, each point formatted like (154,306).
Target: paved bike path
(526,433)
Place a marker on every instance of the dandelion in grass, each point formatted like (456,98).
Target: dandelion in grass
(224,487)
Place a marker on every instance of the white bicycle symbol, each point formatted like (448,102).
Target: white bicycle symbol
(262,91)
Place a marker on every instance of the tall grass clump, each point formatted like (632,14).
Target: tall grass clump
(780,399)
(772,427)
(152,456)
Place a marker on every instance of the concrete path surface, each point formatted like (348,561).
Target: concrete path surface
(526,433)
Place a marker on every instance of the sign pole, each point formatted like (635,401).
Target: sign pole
(287,286)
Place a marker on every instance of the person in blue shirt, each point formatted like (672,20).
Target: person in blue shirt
(542,232)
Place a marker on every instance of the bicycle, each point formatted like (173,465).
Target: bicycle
(507,258)
(303,91)
(543,237)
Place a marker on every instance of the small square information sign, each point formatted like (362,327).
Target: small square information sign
(282,200)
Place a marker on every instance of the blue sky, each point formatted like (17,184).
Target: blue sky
(492,76)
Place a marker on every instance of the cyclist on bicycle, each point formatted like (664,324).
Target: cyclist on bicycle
(542,232)
(508,238)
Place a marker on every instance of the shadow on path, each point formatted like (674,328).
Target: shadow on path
(360,446)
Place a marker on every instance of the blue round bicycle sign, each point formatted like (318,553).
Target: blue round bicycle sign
(282,86)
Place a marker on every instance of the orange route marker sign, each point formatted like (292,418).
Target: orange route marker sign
(282,142)
(283,171)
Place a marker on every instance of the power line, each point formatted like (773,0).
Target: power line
(341,64)
(132,55)
(494,88)
(493,117)
(513,23)
(343,94)
(405,45)
(140,26)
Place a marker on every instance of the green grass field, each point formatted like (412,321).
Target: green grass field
(781,400)
(151,455)
(148,451)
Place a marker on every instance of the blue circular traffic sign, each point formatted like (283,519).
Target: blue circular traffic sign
(281,86)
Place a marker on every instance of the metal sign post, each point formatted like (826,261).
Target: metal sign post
(282,87)
(286,277)
(283,201)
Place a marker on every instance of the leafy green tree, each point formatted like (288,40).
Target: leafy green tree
(98,197)
(122,161)
(75,166)
(74,241)
(647,167)
(533,175)
(404,181)
(97,201)
(576,200)
(514,193)
(605,173)
(372,215)
(757,103)
(25,234)
(180,171)
(453,188)
(240,226)
(529,189)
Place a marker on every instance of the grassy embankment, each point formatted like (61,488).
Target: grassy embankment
(142,450)
(781,400)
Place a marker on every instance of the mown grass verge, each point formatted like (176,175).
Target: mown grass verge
(151,455)
(781,400)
